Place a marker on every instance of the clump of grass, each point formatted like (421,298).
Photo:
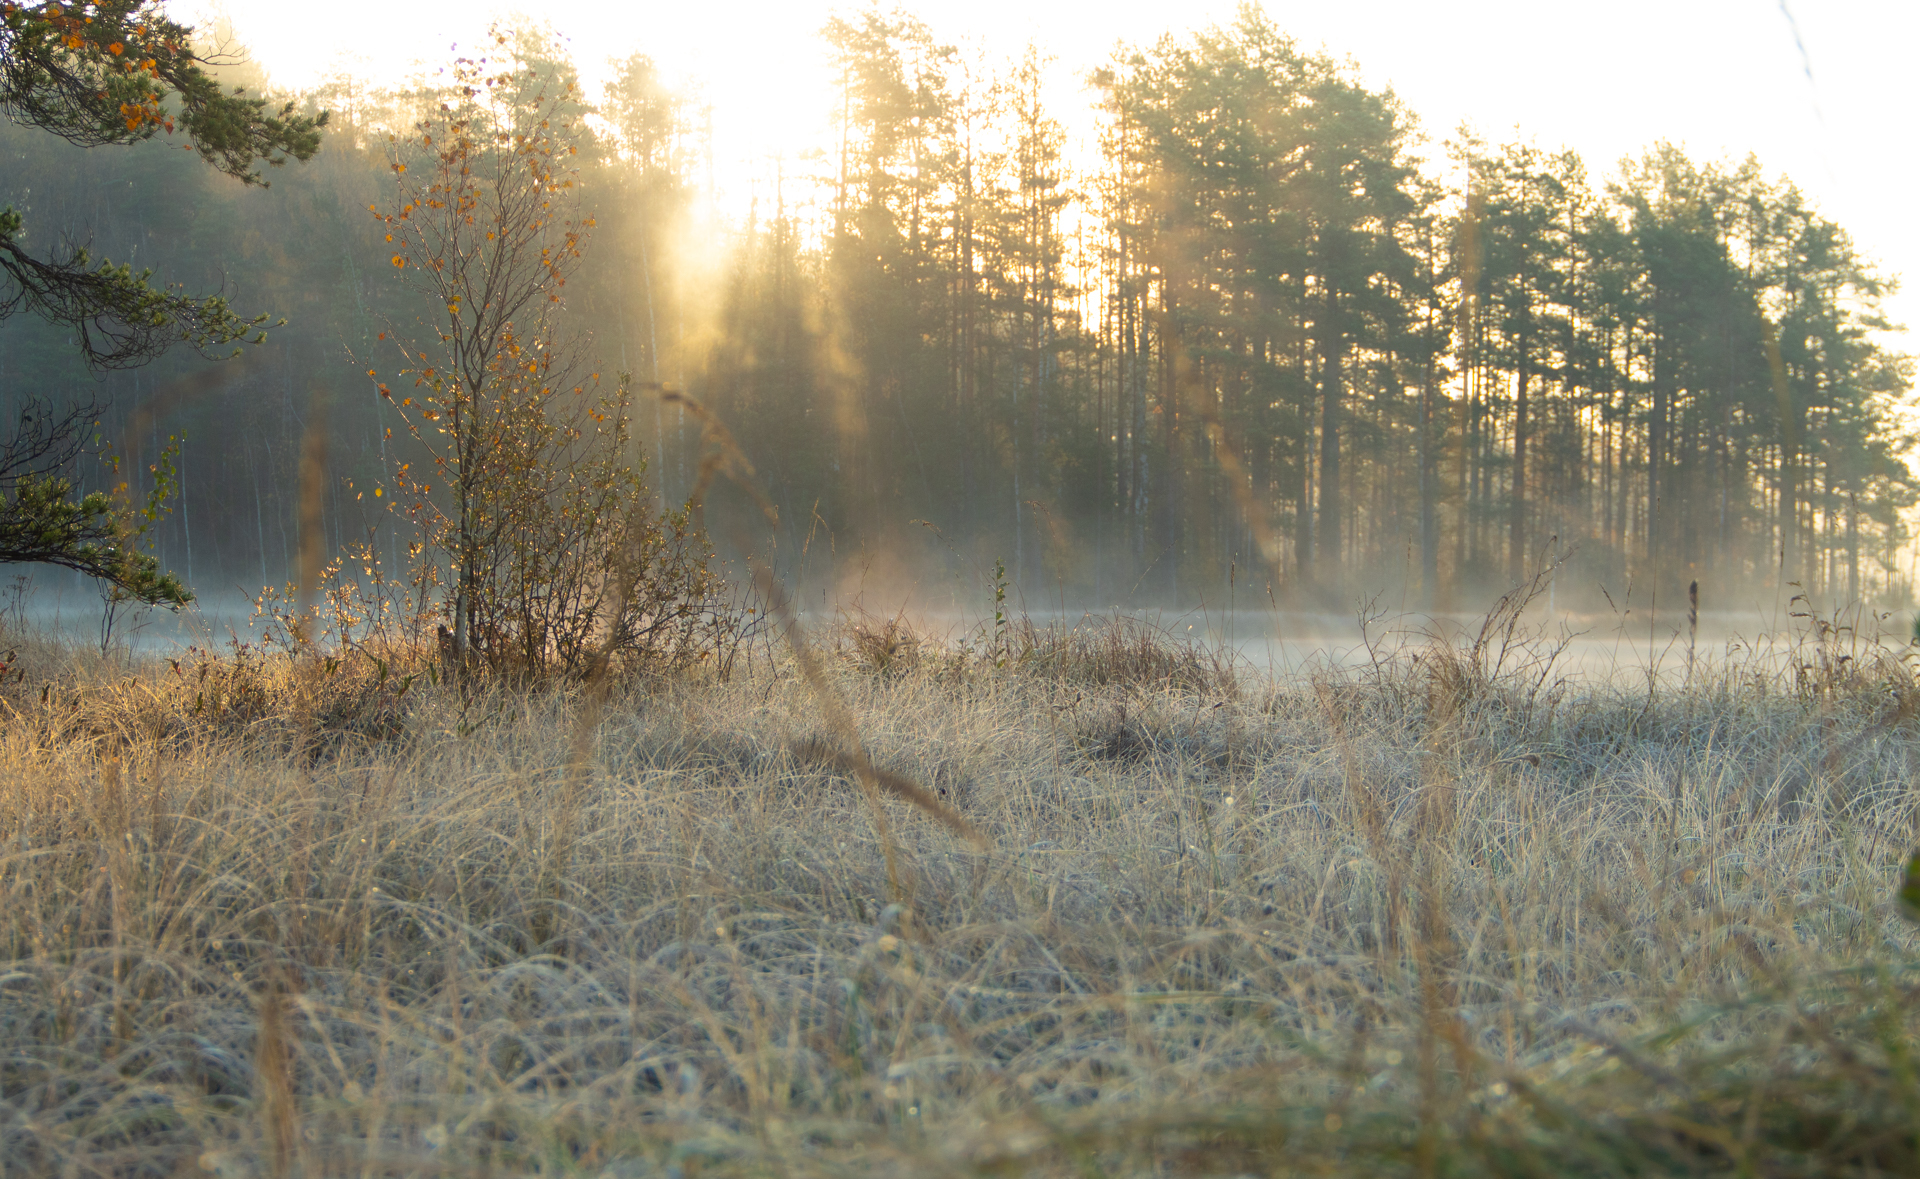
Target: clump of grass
(884,647)
(1094,652)
(248,695)
(1121,650)
(1365,922)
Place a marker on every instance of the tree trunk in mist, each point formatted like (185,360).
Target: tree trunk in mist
(1517,508)
(1333,345)
(1656,459)
(1136,377)
(1429,526)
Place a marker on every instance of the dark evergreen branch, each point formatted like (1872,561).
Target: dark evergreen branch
(119,71)
(122,320)
(41,523)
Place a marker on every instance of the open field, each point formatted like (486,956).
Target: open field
(1439,912)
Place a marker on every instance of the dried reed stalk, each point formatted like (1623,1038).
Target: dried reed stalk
(273,1065)
(313,532)
(1693,624)
(723,457)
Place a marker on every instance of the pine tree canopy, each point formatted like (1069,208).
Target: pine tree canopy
(113,73)
(116,73)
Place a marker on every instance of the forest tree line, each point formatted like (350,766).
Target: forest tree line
(1267,339)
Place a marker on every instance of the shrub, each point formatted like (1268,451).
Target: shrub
(539,545)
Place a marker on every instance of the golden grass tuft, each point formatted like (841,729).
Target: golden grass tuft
(1424,917)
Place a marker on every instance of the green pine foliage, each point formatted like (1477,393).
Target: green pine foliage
(41,521)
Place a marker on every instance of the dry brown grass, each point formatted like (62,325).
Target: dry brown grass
(1435,916)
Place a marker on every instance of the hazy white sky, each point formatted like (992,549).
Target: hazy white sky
(1722,77)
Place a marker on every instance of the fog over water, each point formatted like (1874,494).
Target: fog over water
(1591,648)
(1548,638)
(1281,644)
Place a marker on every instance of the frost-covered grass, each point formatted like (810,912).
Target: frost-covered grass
(1439,915)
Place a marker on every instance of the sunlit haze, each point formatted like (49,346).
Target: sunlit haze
(1721,77)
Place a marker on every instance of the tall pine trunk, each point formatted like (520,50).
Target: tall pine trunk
(1517,505)
(1332,346)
